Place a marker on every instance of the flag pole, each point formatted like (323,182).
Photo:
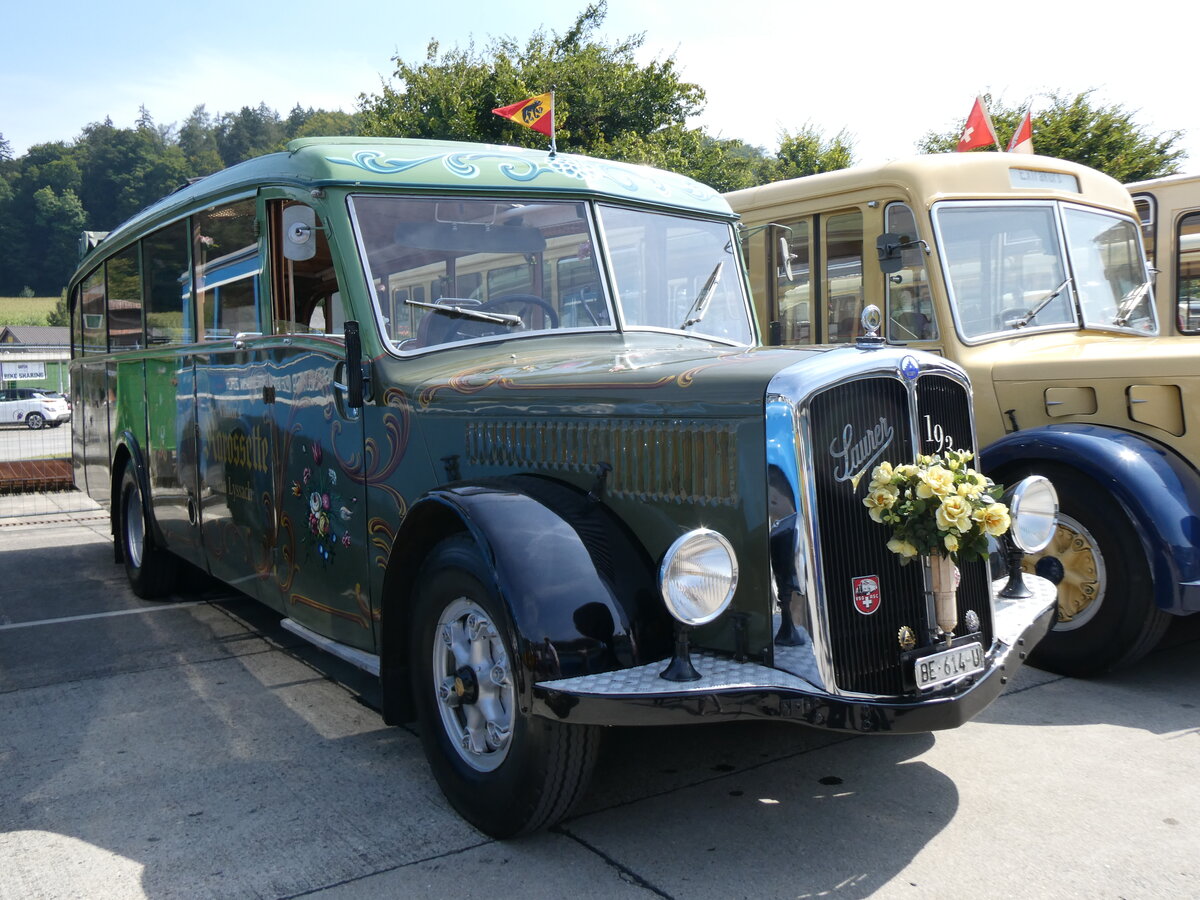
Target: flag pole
(553,136)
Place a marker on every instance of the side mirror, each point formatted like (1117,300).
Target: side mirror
(888,246)
(299,232)
(785,254)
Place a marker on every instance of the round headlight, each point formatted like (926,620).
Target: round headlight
(1033,507)
(698,576)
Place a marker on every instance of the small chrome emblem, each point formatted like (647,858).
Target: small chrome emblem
(866,594)
(910,368)
(907,638)
(971,620)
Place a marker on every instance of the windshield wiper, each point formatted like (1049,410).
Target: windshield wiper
(467,312)
(1022,321)
(700,305)
(1129,302)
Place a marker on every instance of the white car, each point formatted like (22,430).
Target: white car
(36,408)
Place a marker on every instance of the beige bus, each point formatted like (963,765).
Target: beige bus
(1169,210)
(1030,273)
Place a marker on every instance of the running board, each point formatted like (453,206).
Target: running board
(368,662)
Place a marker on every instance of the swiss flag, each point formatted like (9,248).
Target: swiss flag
(978,131)
(1022,139)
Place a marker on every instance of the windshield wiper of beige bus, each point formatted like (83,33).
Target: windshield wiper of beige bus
(468,312)
(1129,303)
(700,305)
(1022,321)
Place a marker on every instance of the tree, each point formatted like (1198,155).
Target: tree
(198,141)
(248,133)
(604,98)
(1075,128)
(807,152)
(5,149)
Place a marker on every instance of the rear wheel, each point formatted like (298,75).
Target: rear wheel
(1106,611)
(150,568)
(505,771)
(35,420)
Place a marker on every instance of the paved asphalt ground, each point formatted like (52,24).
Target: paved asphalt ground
(195,749)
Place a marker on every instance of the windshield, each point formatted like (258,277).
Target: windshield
(676,273)
(452,270)
(1013,267)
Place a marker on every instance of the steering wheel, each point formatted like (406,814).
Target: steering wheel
(470,328)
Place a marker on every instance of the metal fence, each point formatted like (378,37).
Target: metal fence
(36,478)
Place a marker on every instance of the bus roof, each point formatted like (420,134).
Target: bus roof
(939,176)
(435,165)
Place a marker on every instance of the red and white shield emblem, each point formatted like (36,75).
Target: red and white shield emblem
(866,594)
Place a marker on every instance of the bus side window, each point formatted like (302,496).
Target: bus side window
(227,266)
(167,276)
(843,275)
(124,287)
(793,296)
(910,310)
(307,297)
(1187,278)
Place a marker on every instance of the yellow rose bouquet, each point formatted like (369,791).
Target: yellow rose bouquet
(938,507)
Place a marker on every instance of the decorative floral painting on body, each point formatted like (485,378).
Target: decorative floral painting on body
(328,516)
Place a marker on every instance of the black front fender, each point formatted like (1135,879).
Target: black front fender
(581,592)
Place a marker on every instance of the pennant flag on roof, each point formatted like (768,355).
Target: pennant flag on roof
(1022,139)
(536,113)
(978,131)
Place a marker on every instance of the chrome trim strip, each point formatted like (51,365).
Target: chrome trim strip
(368,662)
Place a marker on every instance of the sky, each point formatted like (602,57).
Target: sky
(885,72)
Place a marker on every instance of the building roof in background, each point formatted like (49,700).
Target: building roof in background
(39,335)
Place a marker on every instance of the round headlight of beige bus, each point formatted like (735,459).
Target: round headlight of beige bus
(698,576)
(1033,507)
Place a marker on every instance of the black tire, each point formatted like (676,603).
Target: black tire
(35,420)
(54,424)
(151,569)
(1107,616)
(528,772)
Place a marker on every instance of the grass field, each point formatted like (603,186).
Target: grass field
(26,310)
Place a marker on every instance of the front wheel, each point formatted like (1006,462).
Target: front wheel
(35,420)
(1107,616)
(150,569)
(505,771)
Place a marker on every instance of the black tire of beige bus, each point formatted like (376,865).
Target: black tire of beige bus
(521,772)
(1107,617)
(151,569)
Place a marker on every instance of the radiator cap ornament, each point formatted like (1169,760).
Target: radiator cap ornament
(872,321)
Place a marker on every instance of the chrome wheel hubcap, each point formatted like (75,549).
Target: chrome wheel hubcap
(473,680)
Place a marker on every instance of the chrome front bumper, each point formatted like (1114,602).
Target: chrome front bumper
(731,689)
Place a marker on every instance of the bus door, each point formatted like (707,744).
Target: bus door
(817,292)
(232,412)
(322,577)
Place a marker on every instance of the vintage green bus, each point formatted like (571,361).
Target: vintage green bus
(494,425)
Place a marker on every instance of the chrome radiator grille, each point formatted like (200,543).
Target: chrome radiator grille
(854,426)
